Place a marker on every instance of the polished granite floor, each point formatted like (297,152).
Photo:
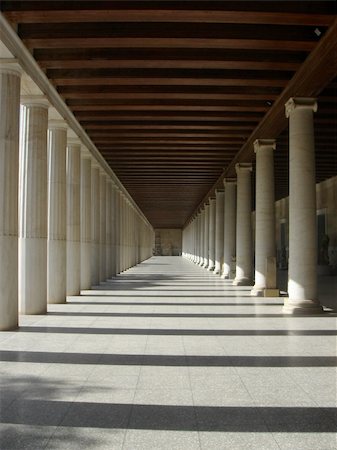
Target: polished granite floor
(169,356)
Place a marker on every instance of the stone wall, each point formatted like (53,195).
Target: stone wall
(326,205)
(168,241)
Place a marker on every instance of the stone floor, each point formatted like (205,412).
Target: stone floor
(168,356)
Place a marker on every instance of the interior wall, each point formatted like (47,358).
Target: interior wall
(168,241)
(326,204)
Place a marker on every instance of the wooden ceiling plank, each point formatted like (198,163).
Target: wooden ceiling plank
(86,42)
(168,64)
(174,16)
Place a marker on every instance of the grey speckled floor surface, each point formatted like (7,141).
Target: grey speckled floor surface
(169,356)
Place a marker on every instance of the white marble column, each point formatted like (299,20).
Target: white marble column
(10,73)
(244,251)
(206,237)
(229,252)
(113,229)
(95,225)
(202,237)
(102,233)
(302,282)
(211,237)
(219,229)
(117,230)
(57,217)
(108,229)
(73,217)
(265,246)
(85,217)
(33,207)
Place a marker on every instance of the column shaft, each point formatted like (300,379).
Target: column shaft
(86,243)
(206,237)
(73,218)
(10,74)
(229,227)
(302,284)
(95,226)
(211,238)
(33,207)
(102,248)
(56,244)
(265,246)
(244,251)
(108,230)
(219,230)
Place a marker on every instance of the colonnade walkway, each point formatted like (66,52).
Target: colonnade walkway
(169,356)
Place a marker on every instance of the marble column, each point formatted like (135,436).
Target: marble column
(219,229)
(206,237)
(244,251)
(211,238)
(57,217)
(117,229)
(73,217)
(33,208)
(108,229)
(95,225)
(10,74)
(265,246)
(302,282)
(229,252)
(113,230)
(202,236)
(85,217)
(102,233)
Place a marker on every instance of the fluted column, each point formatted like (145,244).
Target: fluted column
(265,246)
(102,247)
(211,238)
(229,252)
(219,229)
(113,229)
(33,207)
(10,73)
(57,217)
(85,216)
(117,230)
(108,229)
(95,226)
(73,217)
(206,236)
(244,251)
(302,283)
(202,237)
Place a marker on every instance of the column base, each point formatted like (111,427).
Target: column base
(210,268)
(241,282)
(301,307)
(264,292)
(225,276)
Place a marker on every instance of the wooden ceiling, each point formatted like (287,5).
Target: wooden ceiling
(171,93)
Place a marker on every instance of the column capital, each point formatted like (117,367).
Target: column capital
(219,191)
(229,180)
(35,100)
(243,168)
(10,66)
(57,124)
(211,199)
(300,102)
(264,144)
(74,141)
(85,153)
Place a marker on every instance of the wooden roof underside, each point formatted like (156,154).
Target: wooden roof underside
(174,93)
